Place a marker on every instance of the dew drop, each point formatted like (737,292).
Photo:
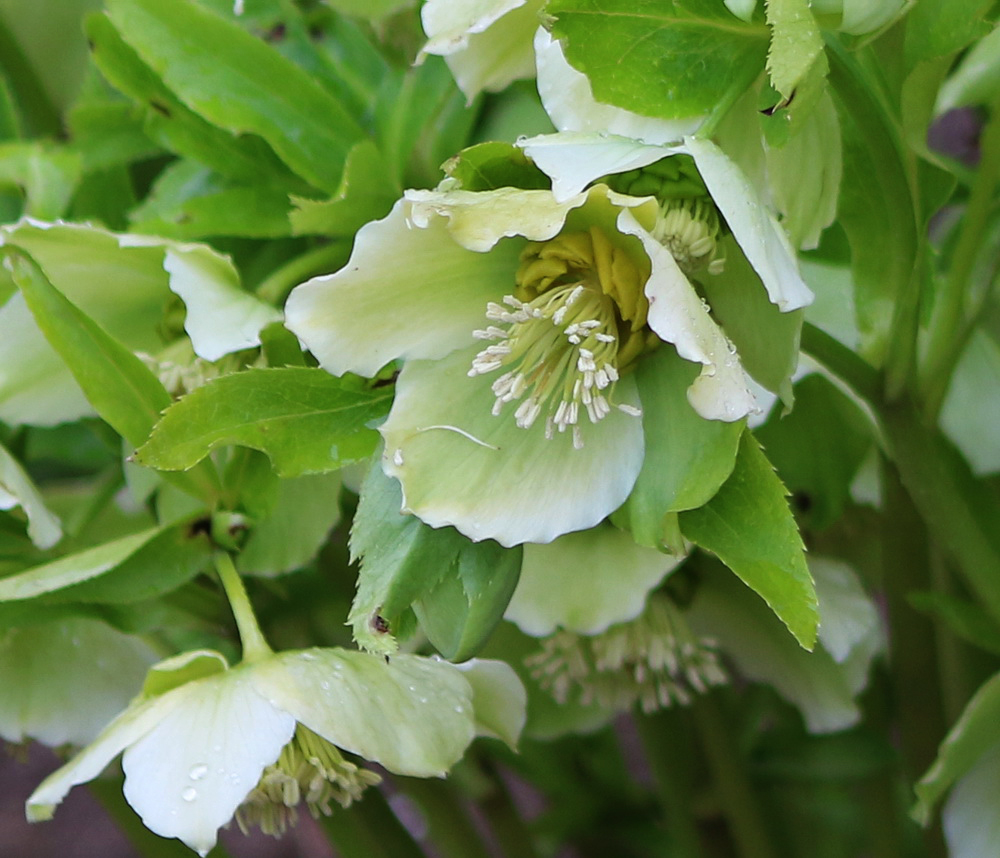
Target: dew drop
(198,772)
(459,709)
(235,779)
(309,656)
(325,685)
(190,794)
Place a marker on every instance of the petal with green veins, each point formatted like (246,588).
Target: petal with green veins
(461,465)
(585,582)
(405,292)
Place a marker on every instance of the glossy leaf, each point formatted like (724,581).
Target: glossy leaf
(749,527)
(306,420)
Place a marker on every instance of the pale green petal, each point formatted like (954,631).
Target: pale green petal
(17,489)
(678,315)
(498,698)
(460,465)
(64,680)
(758,234)
(486,43)
(743,9)
(477,220)
(847,615)
(405,292)
(763,651)
(866,16)
(585,582)
(570,103)
(969,818)
(221,317)
(413,715)
(971,411)
(130,725)
(574,159)
(187,775)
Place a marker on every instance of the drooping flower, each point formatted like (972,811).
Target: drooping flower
(521,311)
(205,741)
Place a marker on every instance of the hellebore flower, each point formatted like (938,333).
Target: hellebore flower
(521,312)
(205,741)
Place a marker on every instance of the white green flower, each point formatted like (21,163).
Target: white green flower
(486,43)
(205,741)
(520,314)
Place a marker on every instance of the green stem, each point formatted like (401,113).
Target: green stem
(668,755)
(255,647)
(842,362)
(949,329)
(736,791)
(320,260)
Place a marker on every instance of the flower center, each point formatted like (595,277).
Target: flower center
(575,323)
(310,769)
(654,660)
(689,229)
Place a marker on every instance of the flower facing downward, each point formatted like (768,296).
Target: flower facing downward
(521,311)
(205,741)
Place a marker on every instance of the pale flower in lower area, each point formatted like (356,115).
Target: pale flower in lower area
(522,311)
(205,742)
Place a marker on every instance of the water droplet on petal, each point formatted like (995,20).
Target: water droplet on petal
(198,772)
(190,794)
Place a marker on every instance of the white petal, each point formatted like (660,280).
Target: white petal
(585,582)
(133,723)
(970,819)
(498,697)
(570,103)
(574,159)
(405,292)
(460,465)
(477,220)
(847,615)
(221,317)
(679,316)
(18,489)
(187,775)
(413,714)
(486,43)
(758,234)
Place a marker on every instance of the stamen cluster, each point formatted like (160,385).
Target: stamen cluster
(561,347)
(654,660)
(309,770)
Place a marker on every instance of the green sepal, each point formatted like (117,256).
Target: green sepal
(750,528)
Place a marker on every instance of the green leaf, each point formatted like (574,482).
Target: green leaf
(458,588)
(671,60)
(241,84)
(367,192)
(305,511)
(938,28)
(74,568)
(488,166)
(305,420)
(17,489)
(795,43)
(820,472)
(124,392)
(965,619)
(749,527)
(976,732)
(189,201)
(47,176)
(169,122)
(687,458)
(976,79)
